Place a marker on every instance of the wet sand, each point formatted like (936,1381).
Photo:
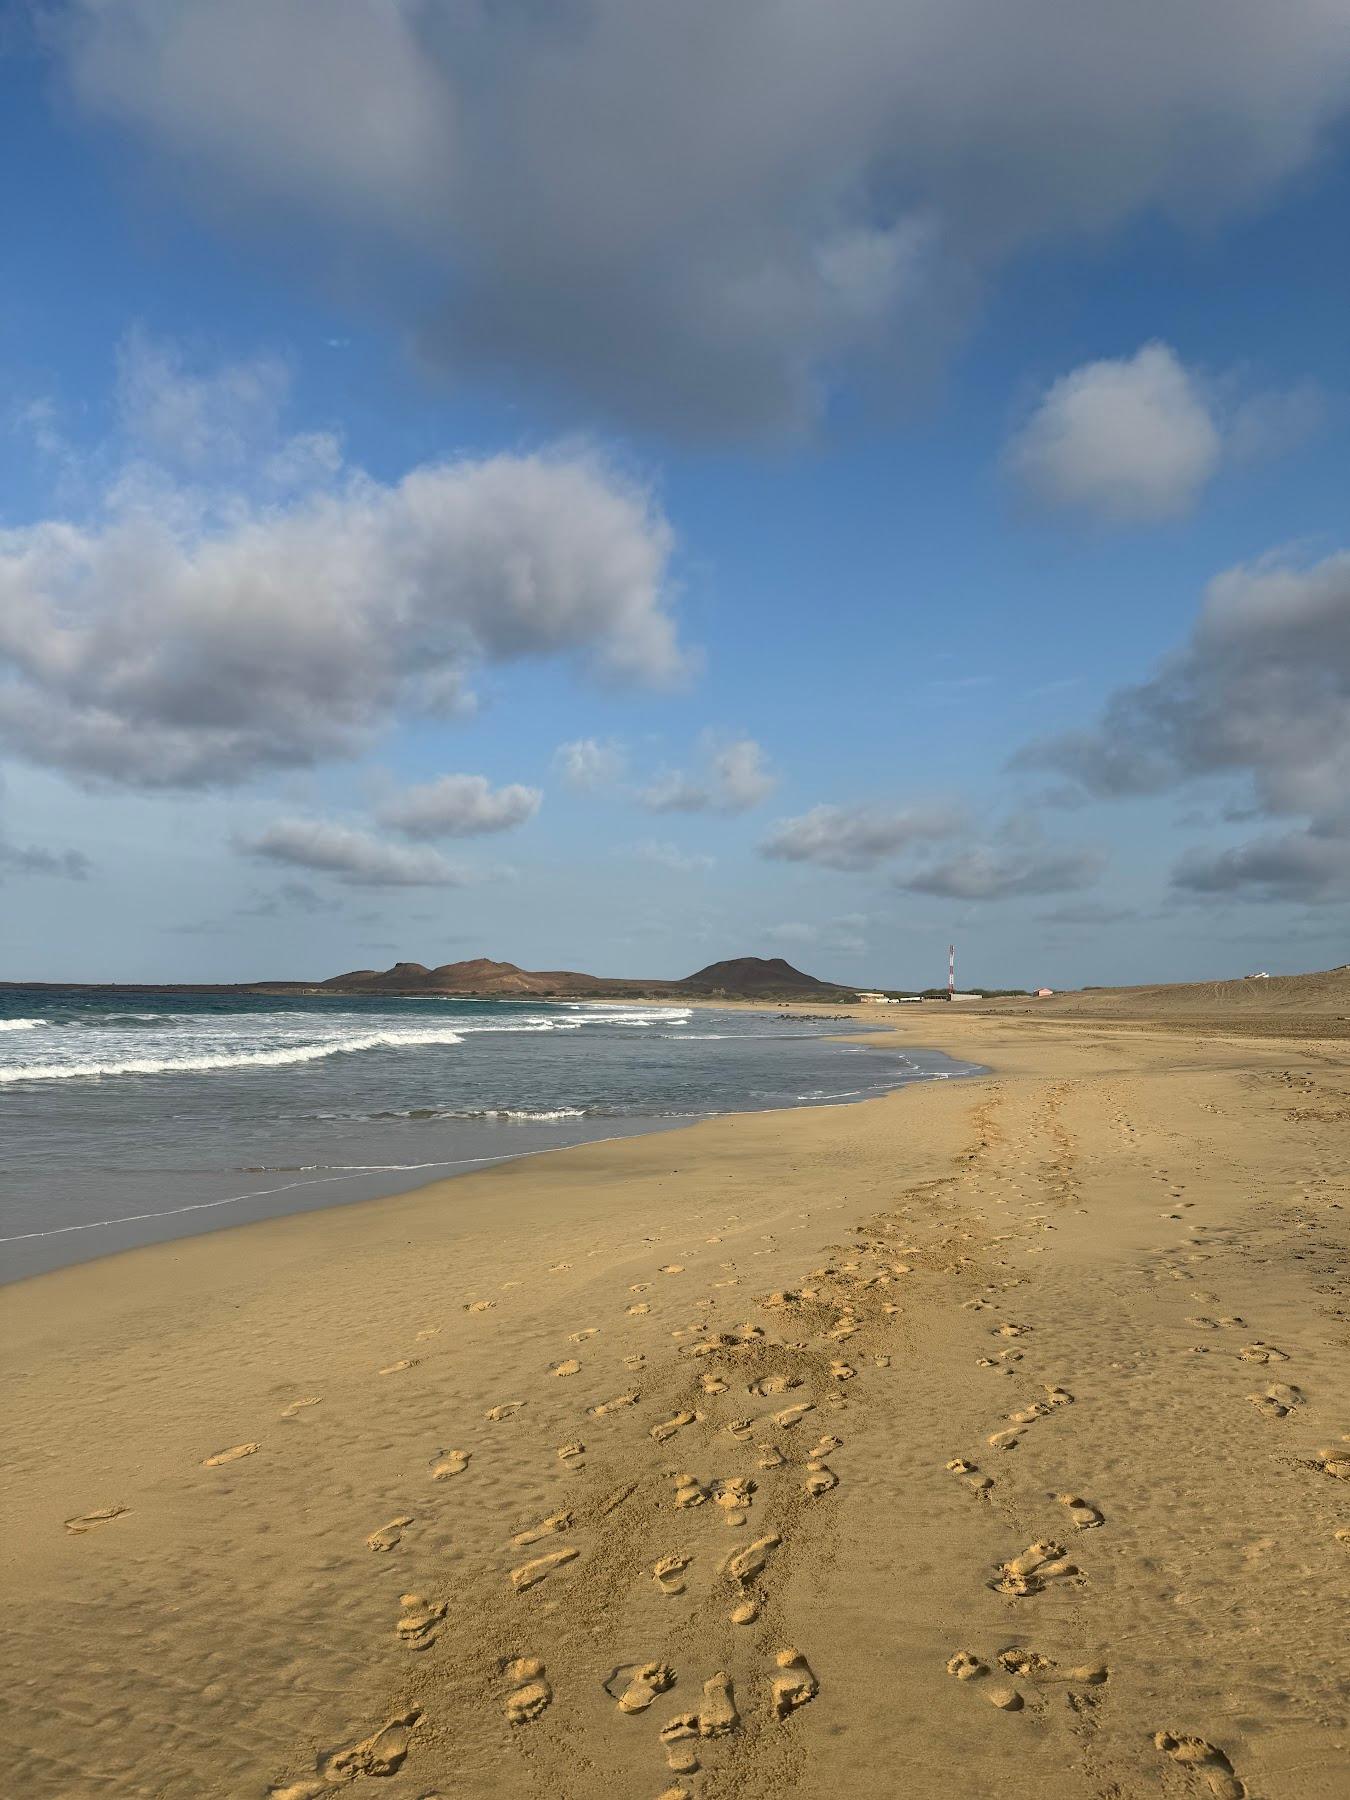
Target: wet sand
(989,1437)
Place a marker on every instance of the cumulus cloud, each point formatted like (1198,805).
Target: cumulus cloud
(1134,439)
(459,806)
(856,171)
(988,873)
(736,778)
(188,637)
(353,856)
(72,865)
(588,763)
(1259,692)
(855,837)
(670,856)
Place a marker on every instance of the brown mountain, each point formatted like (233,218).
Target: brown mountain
(744,977)
(755,975)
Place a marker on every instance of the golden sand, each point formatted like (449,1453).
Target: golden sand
(988,1438)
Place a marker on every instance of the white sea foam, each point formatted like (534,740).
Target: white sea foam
(20,1024)
(226,1058)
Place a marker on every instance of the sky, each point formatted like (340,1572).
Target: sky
(617,484)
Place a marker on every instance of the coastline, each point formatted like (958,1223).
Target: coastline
(316,1187)
(1085,1189)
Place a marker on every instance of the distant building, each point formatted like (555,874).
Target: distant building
(1044,993)
(1260,975)
(878,1000)
(965,996)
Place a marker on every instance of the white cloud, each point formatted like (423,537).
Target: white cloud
(670,856)
(458,806)
(856,837)
(191,418)
(587,763)
(1134,439)
(736,778)
(189,635)
(353,856)
(985,872)
(1260,692)
(856,173)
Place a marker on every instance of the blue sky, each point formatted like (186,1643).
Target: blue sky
(920,505)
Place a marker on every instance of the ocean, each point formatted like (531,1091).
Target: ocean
(130,1116)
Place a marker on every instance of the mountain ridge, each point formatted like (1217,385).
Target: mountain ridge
(739,977)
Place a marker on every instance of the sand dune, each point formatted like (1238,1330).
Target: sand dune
(987,1438)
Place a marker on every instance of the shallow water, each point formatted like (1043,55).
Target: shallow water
(131,1116)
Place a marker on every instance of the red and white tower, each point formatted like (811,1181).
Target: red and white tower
(951,970)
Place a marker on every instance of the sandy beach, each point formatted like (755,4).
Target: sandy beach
(989,1437)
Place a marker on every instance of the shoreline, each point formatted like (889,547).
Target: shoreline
(378,1182)
(293,1423)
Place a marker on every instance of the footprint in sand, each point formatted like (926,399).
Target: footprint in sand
(1332,1460)
(668,1574)
(1004,1440)
(773,1384)
(407,1362)
(579,1337)
(717,1716)
(1278,1400)
(1085,1516)
(477,1306)
(745,1612)
(966,1666)
(638,1308)
(819,1479)
(1262,1353)
(1034,1667)
(88,1521)
(1028,1573)
(570,1367)
(794,1685)
(668,1427)
(605,1407)
(428,1331)
(496,1414)
(792,1415)
(449,1462)
(388,1535)
(572,1456)
(531,1694)
(296,1407)
(735,1499)
(671,1269)
(530,1573)
(419,1621)
(382,1753)
(689,1491)
(770,1456)
(558,1268)
(561,1521)
(713,1384)
(842,1371)
(1204,1760)
(675,1736)
(616,1497)
(749,1564)
(233,1454)
(971,1476)
(635,1685)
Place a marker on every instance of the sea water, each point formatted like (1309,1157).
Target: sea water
(129,1116)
